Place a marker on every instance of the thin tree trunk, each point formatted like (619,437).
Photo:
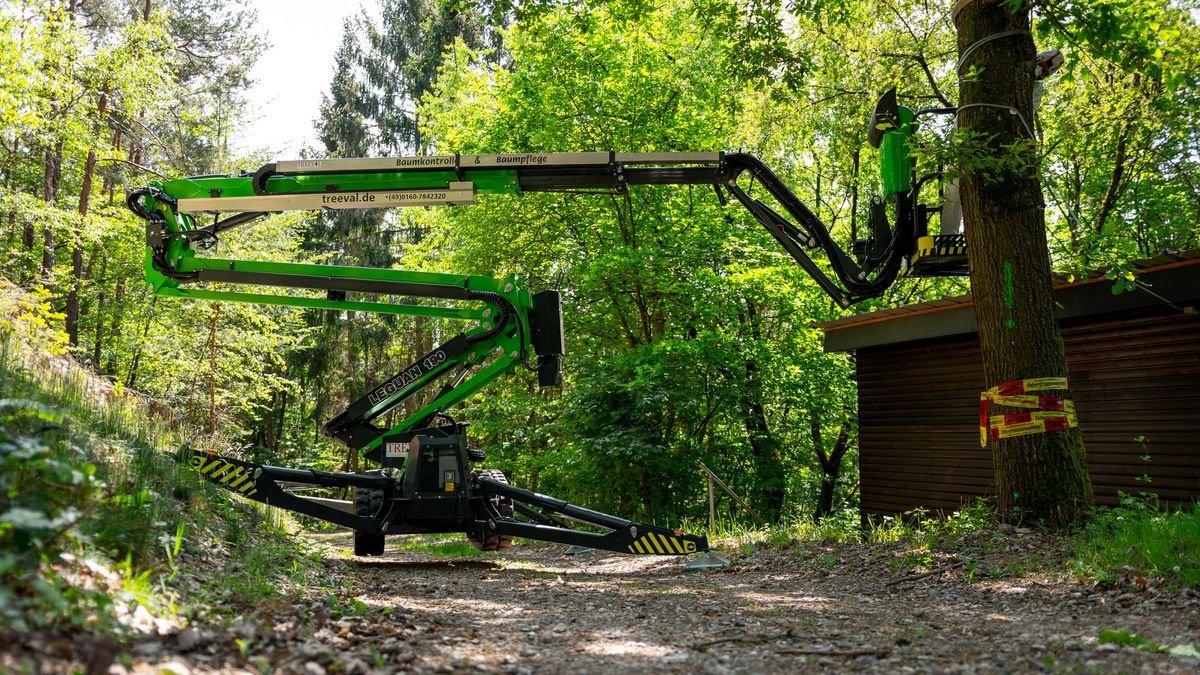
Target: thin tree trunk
(646,490)
(72,313)
(854,198)
(118,324)
(51,176)
(85,196)
(98,313)
(212,367)
(1041,476)
(768,464)
(1116,183)
(280,422)
(137,354)
(28,235)
(771,478)
(831,465)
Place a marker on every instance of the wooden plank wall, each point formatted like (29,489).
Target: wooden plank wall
(1132,376)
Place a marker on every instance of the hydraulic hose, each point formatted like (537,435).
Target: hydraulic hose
(851,276)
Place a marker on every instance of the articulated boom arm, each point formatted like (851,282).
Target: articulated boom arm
(173,208)
(509,326)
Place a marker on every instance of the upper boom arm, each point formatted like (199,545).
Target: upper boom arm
(173,208)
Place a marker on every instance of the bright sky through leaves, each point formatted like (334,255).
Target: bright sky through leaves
(292,73)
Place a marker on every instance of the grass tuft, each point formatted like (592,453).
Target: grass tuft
(1141,539)
(442,546)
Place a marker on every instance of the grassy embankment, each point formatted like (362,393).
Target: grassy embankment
(1138,543)
(101,532)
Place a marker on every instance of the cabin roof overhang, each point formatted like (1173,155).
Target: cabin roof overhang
(1166,280)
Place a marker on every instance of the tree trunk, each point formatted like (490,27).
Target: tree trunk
(831,465)
(85,196)
(118,324)
(769,473)
(1042,476)
(51,171)
(28,234)
(768,464)
(212,367)
(137,353)
(646,491)
(51,177)
(98,313)
(72,311)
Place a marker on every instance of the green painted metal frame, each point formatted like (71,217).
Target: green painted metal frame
(495,356)
(487,181)
(177,264)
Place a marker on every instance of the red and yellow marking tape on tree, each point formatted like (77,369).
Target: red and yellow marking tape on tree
(1047,413)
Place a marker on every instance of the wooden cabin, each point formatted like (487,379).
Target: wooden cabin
(1134,362)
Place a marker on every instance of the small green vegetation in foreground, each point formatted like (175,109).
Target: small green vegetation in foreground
(918,528)
(95,519)
(1141,539)
(1127,639)
(441,545)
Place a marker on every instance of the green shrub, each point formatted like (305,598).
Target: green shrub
(47,488)
(1141,538)
(93,514)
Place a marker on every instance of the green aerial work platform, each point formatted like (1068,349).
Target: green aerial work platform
(425,481)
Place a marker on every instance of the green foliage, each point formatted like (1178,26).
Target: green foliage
(47,488)
(685,325)
(921,536)
(94,517)
(1119,129)
(1141,539)
(1127,639)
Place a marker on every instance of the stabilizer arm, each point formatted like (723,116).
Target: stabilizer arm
(624,536)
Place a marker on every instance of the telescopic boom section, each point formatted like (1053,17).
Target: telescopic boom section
(174,208)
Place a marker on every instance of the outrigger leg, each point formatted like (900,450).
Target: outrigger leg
(483,506)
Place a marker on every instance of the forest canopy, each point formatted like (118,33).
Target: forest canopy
(690,335)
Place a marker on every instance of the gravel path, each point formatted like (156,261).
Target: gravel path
(534,609)
(840,609)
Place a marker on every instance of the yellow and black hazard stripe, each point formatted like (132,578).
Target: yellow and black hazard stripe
(941,246)
(656,543)
(229,474)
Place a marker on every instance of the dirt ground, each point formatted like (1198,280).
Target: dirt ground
(535,609)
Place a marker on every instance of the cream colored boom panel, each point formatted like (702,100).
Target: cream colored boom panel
(457,193)
(509,160)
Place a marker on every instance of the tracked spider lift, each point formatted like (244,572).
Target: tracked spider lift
(426,481)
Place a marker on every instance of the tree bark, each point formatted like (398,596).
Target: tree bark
(51,177)
(831,465)
(118,324)
(215,310)
(98,312)
(770,475)
(28,234)
(85,196)
(1042,476)
(137,353)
